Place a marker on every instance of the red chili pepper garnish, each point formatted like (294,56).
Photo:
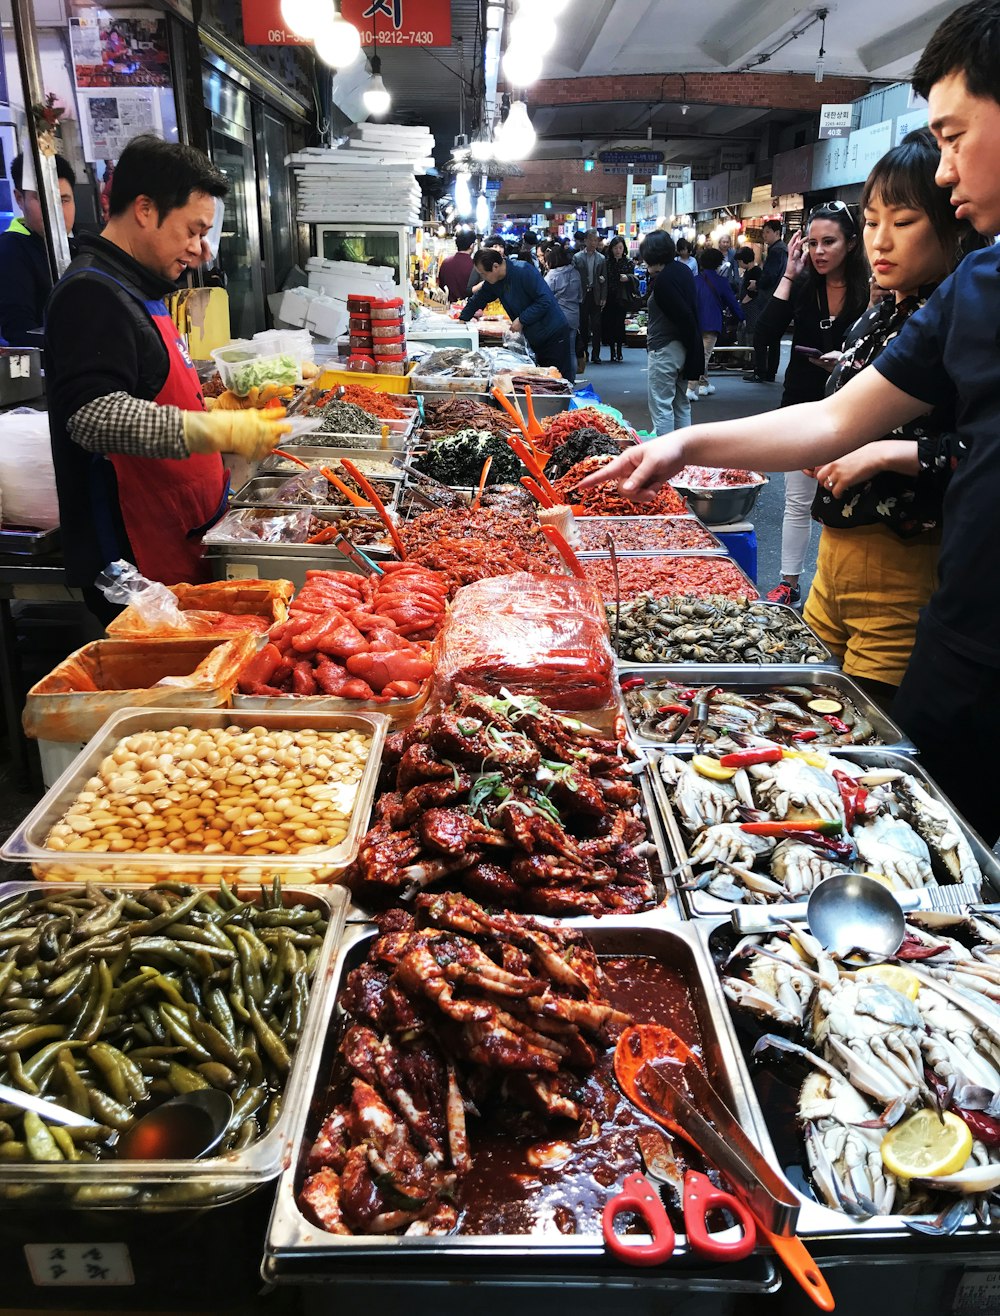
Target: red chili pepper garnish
(674,708)
(745,758)
(805,735)
(822,827)
(633,682)
(852,796)
(842,849)
(841,728)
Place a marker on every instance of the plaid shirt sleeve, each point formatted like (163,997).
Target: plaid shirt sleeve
(120,423)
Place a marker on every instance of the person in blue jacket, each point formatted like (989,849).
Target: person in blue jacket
(714,295)
(529,302)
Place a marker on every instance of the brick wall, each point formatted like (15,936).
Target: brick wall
(776,91)
(554,180)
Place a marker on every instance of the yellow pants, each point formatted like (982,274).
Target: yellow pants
(867,593)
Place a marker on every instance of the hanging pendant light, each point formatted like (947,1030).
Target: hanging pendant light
(516,139)
(522,64)
(482,213)
(376,95)
(463,195)
(337,41)
(306,17)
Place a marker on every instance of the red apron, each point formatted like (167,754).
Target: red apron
(168,505)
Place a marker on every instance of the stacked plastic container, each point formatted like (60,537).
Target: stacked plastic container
(389,335)
(362,350)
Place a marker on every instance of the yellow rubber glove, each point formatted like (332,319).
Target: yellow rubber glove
(243,432)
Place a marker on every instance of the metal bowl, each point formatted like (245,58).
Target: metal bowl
(722,506)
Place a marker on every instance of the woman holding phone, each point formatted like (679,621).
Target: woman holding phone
(825,287)
(880,506)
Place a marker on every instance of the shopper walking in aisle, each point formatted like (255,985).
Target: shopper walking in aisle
(767,347)
(529,302)
(825,287)
(528,249)
(455,271)
(715,297)
(137,457)
(729,269)
(25,278)
(749,291)
(623,286)
(564,279)
(675,351)
(685,255)
(945,354)
(593,273)
(878,550)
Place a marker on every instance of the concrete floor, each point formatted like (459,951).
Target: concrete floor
(624,386)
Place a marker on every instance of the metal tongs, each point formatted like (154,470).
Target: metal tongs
(659,1074)
(698,714)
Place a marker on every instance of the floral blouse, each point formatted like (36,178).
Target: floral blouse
(907,505)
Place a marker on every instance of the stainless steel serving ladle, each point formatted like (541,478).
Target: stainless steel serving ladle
(183,1128)
(850,913)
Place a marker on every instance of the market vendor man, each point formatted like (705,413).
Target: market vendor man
(137,457)
(529,302)
(946,354)
(25,278)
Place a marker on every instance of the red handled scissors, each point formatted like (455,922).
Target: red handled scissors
(699,1197)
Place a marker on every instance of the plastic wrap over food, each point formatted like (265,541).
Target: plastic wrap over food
(217,608)
(311,488)
(123,584)
(252,525)
(542,636)
(451,369)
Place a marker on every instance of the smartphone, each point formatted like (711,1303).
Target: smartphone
(808,351)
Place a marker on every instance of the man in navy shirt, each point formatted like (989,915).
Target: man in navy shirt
(529,302)
(948,351)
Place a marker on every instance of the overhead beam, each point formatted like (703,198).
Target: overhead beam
(904,41)
(765,91)
(578,36)
(743,32)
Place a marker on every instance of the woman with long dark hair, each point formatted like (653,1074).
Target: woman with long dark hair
(622,287)
(880,506)
(825,287)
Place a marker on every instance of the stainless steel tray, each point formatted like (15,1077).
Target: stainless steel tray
(663,554)
(297,1249)
(734,670)
(262,491)
(173,1184)
(754,678)
(815,1219)
(717,547)
(274,465)
(27,844)
(25,542)
(660,859)
(702,905)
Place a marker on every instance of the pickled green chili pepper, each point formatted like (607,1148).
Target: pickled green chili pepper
(40,1142)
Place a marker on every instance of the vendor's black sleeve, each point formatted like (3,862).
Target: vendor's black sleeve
(91,345)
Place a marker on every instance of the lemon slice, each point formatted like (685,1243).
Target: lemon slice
(926,1145)
(712,768)
(807,756)
(892,975)
(824,706)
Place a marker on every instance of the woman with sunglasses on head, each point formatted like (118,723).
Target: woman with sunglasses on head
(880,512)
(825,287)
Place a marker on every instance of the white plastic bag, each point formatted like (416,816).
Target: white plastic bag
(27,477)
(123,583)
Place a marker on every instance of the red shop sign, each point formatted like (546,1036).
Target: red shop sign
(397,22)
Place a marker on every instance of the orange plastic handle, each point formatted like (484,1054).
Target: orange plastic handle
(534,429)
(379,506)
(513,411)
(539,494)
(522,450)
(639,1197)
(800,1265)
(289,456)
(565,552)
(701,1197)
(484,475)
(354,499)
